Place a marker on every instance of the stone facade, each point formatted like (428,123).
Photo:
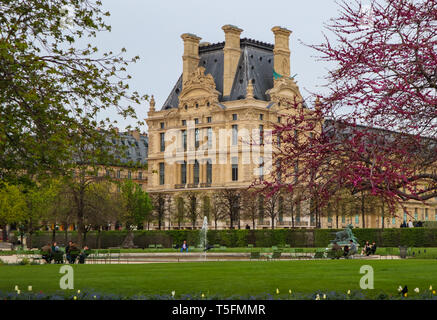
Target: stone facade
(228,88)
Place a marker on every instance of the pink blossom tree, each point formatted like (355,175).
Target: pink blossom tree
(375,130)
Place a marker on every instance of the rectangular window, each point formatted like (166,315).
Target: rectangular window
(234,117)
(196,138)
(140,175)
(298,213)
(261,134)
(234,135)
(162,125)
(426,214)
(184,122)
(196,121)
(435,214)
(196,172)
(393,221)
(184,139)
(343,219)
(261,117)
(118,174)
(261,168)
(209,171)
(279,119)
(209,136)
(278,170)
(209,119)
(184,173)
(129,175)
(162,141)
(357,219)
(161,173)
(416,215)
(234,169)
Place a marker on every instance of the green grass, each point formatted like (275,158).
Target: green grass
(226,278)
(421,253)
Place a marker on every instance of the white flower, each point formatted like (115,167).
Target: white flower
(400,289)
(29,288)
(18,291)
(16,288)
(203,296)
(317,297)
(430,288)
(416,290)
(277,291)
(324,296)
(173,293)
(289,291)
(349,292)
(78,291)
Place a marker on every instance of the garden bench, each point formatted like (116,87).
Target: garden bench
(114,254)
(159,246)
(274,256)
(319,255)
(255,255)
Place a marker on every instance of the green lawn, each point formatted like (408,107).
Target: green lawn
(226,278)
(419,253)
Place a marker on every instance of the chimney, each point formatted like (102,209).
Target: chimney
(135,134)
(191,55)
(231,53)
(281,51)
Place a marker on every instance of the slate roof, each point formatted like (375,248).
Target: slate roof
(136,150)
(256,64)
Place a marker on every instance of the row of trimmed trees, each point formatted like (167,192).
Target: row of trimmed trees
(92,206)
(249,207)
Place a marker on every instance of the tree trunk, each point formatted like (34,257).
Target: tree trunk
(362,211)
(382,215)
(66,233)
(54,233)
(273,223)
(99,239)
(4,233)
(29,240)
(253,223)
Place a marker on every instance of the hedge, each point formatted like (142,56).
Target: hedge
(418,237)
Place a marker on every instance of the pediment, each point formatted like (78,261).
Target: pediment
(286,90)
(199,89)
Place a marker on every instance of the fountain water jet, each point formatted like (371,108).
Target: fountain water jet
(203,237)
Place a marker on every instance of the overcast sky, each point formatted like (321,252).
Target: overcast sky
(152,29)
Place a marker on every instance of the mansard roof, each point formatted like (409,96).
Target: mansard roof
(256,64)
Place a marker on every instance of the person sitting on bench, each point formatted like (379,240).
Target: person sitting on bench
(346,251)
(352,249)
(83,255)
(373,248)
(184,246)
